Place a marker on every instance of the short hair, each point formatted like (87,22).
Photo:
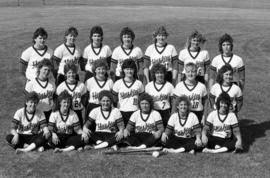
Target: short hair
(191,64)
(160,30)
(224,97)
(222,70)
(70,66)
(44,62)
(40,32)
(148,98)
(182,98)
(225,38)
(105,93)
(157,68)
(72,30)
(32,96)
(64,95)
(127,31)
(195,34)
(98,30)
(100,63)
(130,63)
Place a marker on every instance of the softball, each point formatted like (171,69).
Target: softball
(155,154)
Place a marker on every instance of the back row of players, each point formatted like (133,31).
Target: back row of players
(130,69)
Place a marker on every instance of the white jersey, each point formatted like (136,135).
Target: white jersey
(195,94)
(45,91)
(161,94)
(31,57)
(64,124)
(120,54)
(183,128)
(200,58)
(145,122)
(94,87)
(29,123)
(164,55)
(233,91)
(222,125)
(106,121)
(66,54)
(92,54)
(76,90)
(235,61)
(128,94)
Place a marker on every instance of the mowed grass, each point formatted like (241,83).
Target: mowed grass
(250,28)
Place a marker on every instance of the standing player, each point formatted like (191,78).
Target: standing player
(108,121)
(161,92)
(227,57)
(75,88)
(193,53)
(224,132)
(163,53)
(95,51)
(183,132)
(126,51)
(34,54)
(127,90)
(67,52)
(147,124)
(43,86)
(29,127)
(194,90)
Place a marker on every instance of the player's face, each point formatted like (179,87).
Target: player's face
(183,107)
(105,103)
(194,43)
(31,106)
(40,41)
(71,76)
(226,47)
(190,73)
(145,106)
(160,76)
(100,72)
(70,39)
(227,77)
(129,72)
(161,39)
(44,72)
(64,105)
(223,107)
(96,38)
(127,40)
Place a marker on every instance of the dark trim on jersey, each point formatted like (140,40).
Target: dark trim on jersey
(47,82)
(222,57)
(114,60)
(220,117)
(154,83)
(41,54)
(213,68)
(114,93)
(127,53)
(64,120)
(15,121)
(71,52)
(27,118)
(209,124)
(131,83)
(208,62)
(55,58)
(241,69)
(100,86)
(235,125)
(72,90)
(191,88)
(194,57)
(164,47)
(147,117)
(106,118)
(179,119)
(181,62)
(43,123)
(174,58)
(224,90)
(146,57)
(196,126)
(240,98)
(93,49)
(140,60)
(23,62)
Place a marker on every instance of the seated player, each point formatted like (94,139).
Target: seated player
(108,120)
(64,125)
(225,134)
(29,127)
(183,132)
(147,124)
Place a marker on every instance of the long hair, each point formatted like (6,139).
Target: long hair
(160,30)
(127,31)
(71,30)
(148,98)
(62,96)
(224,97)
(185,99)
(195,34)
(225,38)
(222,70)
(44,62)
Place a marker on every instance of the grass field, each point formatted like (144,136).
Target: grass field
(247,21)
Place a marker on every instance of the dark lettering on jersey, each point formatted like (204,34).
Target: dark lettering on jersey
(194,96)
(67,129)
(162,60)
(76,95)
(224,128)
(108,126)
(92,61)
(48,94)
(147,128)
(161,97)
(71,61)
(35,63)
(129,94)
(186,132)
(33,127)
(95,95)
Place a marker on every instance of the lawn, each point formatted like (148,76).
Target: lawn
(247,21)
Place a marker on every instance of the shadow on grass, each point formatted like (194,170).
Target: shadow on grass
(251,131)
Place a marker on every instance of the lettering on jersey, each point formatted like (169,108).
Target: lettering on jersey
(160,97)
(165,60)
(195,100)
(92,61)
(35,63)
(95,95)
(63,128)
(224,128)
(108,126)
(186,132)
(129,94)
(33,127)
(71,61)
(48,94)
(146,128)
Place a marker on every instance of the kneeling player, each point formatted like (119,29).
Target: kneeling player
(108,120)
(65,126)
(29,127)
(147,124)
(186,128)
(225,133)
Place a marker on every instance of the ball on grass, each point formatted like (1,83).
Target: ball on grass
(155,154)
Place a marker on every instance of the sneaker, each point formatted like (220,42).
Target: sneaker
(115,147)
(57,150)
(80,149)
(88,147)
(41,149)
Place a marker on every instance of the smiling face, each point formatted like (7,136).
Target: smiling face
(190,73)
(129,72)
(183,107)
(223,107)
(40,41)
(226,48)
(145,106)
(96,39)
(127,40)
(100,72)
(71,76)
(44,72)
(160,77)
(194,44)
(70,39)
(65,105)
(227,77)
(105,103)
(31,106)
(161,39)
